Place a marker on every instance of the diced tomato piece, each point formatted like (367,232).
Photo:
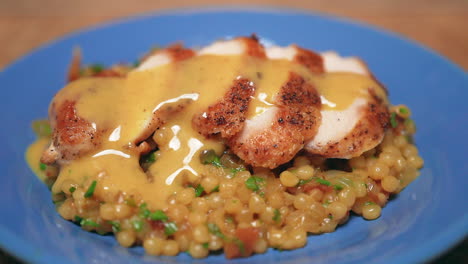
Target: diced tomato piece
(245,244)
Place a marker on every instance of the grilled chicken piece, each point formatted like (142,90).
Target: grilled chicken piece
(260,141)
(73,136)
(228,115)
(275,136)
(350,132)
(360,127)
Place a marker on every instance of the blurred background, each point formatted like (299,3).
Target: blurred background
(440,25)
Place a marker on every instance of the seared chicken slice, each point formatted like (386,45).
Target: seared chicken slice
(360,127)
(74,136)
(275,136)
(228,115)
(260,141)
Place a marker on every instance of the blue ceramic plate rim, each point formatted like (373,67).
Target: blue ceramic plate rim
(424,252)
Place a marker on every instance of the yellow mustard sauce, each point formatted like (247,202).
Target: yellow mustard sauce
(33,155)
(123,108)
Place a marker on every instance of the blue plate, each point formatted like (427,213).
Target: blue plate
(426,219)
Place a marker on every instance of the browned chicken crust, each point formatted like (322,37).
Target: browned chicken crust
(368,132)
(72,135)
(296,121)
(309,59)
(227,116)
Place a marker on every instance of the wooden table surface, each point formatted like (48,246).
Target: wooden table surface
(440,25)
(437,24)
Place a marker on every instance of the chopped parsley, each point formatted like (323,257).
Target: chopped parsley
(115,226)
(96,68)
(137,225)
(72,189)
(144,211)
(210,157)
(229,219)
(199,190)
(326,203)
(214,229)
(403,110)
(130,202)
(323,182)
(42,166)
(338,187)
(150,157)
(206,245)
(393,120)
(90,190)
(170,228)
(369,203)
(42,128)
(330,216)
(302,182)
(277,216)
(85,222)
(254,183)
(158,215)
(234,171)
(215,189)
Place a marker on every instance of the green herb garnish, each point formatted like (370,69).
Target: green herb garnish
(326,203)
(90,190)
(210,157)
(96,68)
(170,228)
(338,187)
(369,203)
(206,245)
(78,218)
(144,212)
(215,189)
(236,170)
(330,216)
(137,225)
(115,226)
(89,222)
(240,245)
(277,216)
(302,182)
(393,120)
(42,166)
(42,128)
(199,190)
(130,202)
(323,182)
(403,110)
(72,189)
(254,183)
(158,215)
(214,229)
(149,158)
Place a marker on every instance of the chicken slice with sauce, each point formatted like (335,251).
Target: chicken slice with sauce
(260,141)
(345,133)
(74,136)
